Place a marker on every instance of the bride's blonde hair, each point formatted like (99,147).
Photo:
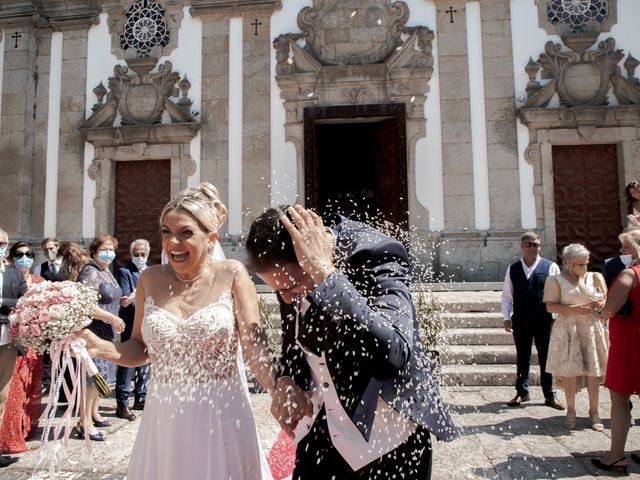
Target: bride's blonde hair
(202,203)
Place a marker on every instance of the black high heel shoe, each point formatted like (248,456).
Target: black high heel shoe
(635,457)
(96,437)
(611,466)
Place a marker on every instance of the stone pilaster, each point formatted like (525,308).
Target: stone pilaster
(502,145)
(214,166)
(457,159)
(40,141)
(17,127)
(256,137)
(72,115)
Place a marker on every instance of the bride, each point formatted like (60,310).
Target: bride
(198,421)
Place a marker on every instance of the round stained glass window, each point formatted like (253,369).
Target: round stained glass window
(577,14)
(145,27)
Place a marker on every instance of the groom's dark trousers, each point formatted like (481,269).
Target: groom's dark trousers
(317,458)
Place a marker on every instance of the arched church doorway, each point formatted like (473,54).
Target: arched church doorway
(587,199)
(142,188)
(356,161)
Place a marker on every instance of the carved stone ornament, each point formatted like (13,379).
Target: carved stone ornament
(345,32)
(580,78)
(143,27)
(140,96)
(94,169)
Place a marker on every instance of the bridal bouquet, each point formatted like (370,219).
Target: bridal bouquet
(45,318)
(48,314)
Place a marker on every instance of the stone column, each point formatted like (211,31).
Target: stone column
(502,145)
(17,128)
(214,166)
(256,50)
(72,115)
(457,159)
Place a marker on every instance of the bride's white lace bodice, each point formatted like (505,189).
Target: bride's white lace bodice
(193,351)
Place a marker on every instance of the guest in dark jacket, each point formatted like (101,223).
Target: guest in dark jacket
(128,277)
(50,270)
(12,287)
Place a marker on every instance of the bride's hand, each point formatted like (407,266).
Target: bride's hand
(91,340)
(289,404)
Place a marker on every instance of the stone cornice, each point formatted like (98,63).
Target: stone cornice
(597,116)
(201,8)
(55,14)
(159,133)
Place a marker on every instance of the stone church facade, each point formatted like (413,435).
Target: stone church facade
(465,123)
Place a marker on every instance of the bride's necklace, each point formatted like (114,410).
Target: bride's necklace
(191,280)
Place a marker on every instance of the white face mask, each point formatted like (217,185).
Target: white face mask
(626,259)
(52,255)
(139,262)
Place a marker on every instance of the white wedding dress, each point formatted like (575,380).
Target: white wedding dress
(197,422)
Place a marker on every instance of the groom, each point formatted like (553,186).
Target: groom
(350,341)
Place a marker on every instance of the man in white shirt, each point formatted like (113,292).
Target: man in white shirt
(523,292)
(12,287)
(50,270)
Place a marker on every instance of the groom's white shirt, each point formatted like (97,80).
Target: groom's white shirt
(390,428)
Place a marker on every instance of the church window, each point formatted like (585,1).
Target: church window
(145,27)
(577,14)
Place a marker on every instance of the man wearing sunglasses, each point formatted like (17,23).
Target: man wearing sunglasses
(12,287)
(530,322)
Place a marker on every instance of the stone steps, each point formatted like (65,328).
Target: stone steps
(479,352)
(482,355)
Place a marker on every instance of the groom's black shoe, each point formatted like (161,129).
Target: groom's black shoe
(6,461)
(124,412)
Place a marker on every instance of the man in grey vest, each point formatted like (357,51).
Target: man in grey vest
(530,322)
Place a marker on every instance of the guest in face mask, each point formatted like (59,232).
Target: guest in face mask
(128,277)
(21,257)
(23,405)
(612,268)
(50,270)
(12,287)
(96,274)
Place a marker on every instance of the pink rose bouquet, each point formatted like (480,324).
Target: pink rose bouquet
(49,313)
(46,318)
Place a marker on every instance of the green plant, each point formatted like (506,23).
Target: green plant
(431,321)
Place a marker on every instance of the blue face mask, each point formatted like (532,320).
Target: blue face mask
(107,256)
(3,252)
(23,263)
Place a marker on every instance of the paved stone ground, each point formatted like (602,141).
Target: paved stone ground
(498,442)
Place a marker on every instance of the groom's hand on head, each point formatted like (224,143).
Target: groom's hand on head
(312,242)
(290,404)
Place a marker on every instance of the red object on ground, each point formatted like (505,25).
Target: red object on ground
(282,457)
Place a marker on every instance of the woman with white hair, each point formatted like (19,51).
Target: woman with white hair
(578,346)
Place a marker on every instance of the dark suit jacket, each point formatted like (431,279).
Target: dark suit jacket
(128,277)
(13,287)
(362,317)
(49,273)
(611,269)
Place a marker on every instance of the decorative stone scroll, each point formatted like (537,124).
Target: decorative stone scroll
(582,77)
(140,96)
